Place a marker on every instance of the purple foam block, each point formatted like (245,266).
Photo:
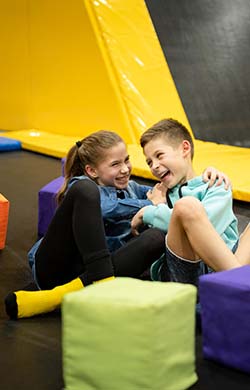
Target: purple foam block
(225,317)
(47,204)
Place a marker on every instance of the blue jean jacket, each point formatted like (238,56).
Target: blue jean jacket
(117,213)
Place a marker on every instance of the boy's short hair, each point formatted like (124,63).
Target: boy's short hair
(171,129)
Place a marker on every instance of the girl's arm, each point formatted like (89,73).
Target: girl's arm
(212,175)
(140,196)
(116,208)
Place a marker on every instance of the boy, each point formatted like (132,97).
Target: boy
(202,228)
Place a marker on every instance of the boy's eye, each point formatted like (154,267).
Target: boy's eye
(149,162)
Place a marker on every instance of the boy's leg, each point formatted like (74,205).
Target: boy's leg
(139,253)
(192,236)
(74,246)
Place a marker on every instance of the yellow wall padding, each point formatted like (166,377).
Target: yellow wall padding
(232,160)
(15,67)
(72,68)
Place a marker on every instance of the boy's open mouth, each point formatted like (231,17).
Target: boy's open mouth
(165,174)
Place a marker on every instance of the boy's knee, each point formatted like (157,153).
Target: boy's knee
(187,208)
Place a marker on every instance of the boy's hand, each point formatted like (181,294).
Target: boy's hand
(158,194)
(136,222)
(211,174)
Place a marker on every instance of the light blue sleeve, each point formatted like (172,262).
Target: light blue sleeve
(157,216)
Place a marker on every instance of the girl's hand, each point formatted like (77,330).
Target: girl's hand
(211,174)
(136,222)
(158,194)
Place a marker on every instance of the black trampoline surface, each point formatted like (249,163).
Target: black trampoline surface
(206,45)
(31,355)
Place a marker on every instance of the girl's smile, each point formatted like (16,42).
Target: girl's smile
(114,169)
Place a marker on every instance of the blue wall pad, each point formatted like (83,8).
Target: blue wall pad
(7,144)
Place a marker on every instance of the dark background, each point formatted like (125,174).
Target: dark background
(206,45)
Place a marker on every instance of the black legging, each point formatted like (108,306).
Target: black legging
(75,244)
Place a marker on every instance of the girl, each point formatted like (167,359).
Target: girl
(89,238)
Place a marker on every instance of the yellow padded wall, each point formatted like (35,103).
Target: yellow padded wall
(140,68)
(14,66)
(73,91)
(83,65)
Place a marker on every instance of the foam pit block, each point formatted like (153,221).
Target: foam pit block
(225,317)
(129,334)
(4,216)
(8,144)
(47,204)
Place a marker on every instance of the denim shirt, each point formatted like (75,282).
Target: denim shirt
(117,212)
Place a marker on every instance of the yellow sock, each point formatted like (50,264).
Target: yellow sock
(105,279)
(23,304)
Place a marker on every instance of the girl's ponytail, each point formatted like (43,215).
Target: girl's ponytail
(73,167)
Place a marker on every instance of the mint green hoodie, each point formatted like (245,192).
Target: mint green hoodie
(216,201)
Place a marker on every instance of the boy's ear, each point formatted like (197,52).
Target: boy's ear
(91,171)
(186,147)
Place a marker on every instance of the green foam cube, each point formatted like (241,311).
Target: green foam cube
(129,334)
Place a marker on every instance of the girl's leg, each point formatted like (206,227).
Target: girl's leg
(192,236)
(139,253)
(75,243)
(74,246)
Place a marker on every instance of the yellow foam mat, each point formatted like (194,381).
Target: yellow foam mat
(232,160)
(43,142)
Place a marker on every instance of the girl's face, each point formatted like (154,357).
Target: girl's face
(167,163)
(114,169)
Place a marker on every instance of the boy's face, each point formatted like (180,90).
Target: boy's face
(114,169)
(168,163)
